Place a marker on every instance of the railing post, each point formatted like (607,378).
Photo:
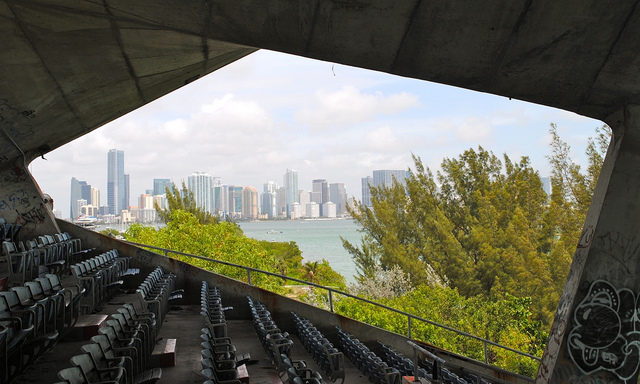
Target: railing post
(486,360)
(409,326)
(166,253)
(248,276)
(330,301)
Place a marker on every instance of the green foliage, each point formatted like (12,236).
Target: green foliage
(506,321)
(223,241)
(183,200)
(489,229)
(111,232)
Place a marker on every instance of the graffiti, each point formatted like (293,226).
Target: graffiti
(14,175)
(15,200)
(4,158)
(35,215)
(586,237)
(606,332)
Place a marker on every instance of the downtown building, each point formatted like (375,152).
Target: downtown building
(338,195)
(200,184)
(80,190)
(117,183)
(291,189)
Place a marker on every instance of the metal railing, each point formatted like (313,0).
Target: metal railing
(332,291)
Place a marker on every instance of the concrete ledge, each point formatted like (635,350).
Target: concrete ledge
(87,326)
(164,354)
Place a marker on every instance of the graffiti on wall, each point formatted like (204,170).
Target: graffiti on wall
(606,332)
(35,215)
(16,200)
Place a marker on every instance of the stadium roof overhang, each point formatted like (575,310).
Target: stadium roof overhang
(68,66)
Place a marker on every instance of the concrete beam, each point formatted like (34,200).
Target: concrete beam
(22,202)
(595,336)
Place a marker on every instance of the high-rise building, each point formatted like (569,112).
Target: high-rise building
(338,195)
(95,197)
(291,188)
(159,186)
(115,181)
(199,183)
(281,202)
(367,183)
(268,199)
(79,204)
(312,210)
(385,177)
(249,203)
(304,198)
(546,185)
(235,200)
(320,192)
(126,200)
(161,201)
(79,190)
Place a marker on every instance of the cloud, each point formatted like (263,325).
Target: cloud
(349,106)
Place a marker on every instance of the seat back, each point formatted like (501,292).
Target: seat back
(98,357)
(85,363)
(72,375)
(103,342)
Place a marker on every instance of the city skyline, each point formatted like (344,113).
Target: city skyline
(291,112)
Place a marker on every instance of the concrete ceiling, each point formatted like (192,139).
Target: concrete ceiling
(70,66)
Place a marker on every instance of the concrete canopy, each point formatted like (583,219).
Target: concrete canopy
(68,67)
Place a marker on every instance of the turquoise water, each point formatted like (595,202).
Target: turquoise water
(317,239)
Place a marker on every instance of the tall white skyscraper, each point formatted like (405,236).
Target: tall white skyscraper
(115,182)
(291,188)
(95,197)
(268,199)
(200,184)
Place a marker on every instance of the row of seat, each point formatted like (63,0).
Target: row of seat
(330,359)
(26,260)
(32,318)
(372,366)
(431,370)
(220,360)
(278,344)
(120,353)
(8,231)
(99,276)
(157,290)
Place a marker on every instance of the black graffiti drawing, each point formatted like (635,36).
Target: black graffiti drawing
(606,332)
(35,215)
(15,122)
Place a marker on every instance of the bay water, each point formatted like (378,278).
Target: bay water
(317,239)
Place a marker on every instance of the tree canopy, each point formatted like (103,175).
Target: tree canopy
(183,200)
(483,225)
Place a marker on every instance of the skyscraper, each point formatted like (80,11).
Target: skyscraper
(115,181)
(199,183)
(367,183)
(80,190)
(320,192)
(338,195)
(291,188)
(268,199)
(159,186)
(386,176)
(126,200)
(95,197)
(235,200)
(249,203)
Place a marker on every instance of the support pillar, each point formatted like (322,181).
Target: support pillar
(595,337)
(21,202)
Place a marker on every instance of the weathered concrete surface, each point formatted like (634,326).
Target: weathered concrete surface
(68,67)
(22,202)
(595,334)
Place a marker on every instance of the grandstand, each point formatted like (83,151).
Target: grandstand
(81,307)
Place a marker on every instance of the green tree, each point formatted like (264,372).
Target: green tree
(183,200)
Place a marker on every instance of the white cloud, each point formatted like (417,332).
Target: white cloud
(349,106)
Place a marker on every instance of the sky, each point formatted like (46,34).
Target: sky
(251,120)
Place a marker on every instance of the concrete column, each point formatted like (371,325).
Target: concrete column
(21,202)
(595,336)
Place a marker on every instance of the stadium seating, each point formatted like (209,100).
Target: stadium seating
(367,361)
(278,344)
(330,359)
